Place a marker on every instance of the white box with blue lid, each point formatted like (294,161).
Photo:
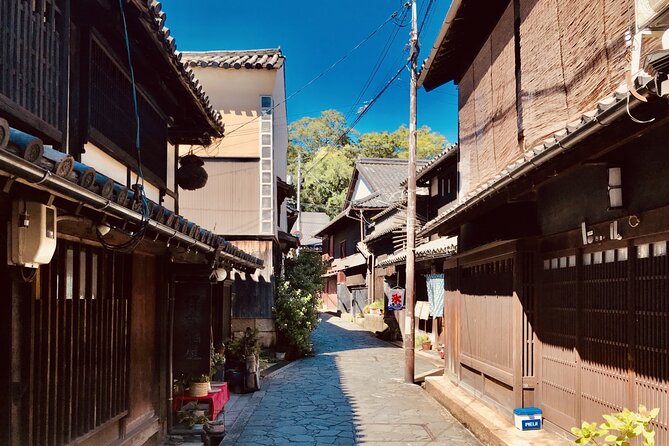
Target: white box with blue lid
(527,418)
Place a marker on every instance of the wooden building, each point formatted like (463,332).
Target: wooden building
(244,198)
(437,183)
(374,186)
(103,273)
(559,290)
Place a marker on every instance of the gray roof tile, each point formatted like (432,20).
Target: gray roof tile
(270,59)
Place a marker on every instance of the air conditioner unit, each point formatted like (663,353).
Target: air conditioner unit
(652,14)
(31,233)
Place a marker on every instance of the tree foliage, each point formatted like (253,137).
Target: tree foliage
(328,157)
(396,144)
(296,304)
(325,184)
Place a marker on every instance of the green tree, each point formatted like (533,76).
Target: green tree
(296,304)
(396,144)
(326,178)
(328,157)
(308,135)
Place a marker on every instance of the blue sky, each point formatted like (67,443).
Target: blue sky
(312,35)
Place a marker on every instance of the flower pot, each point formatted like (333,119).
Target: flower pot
(198,389)
(281,356)
(427,346)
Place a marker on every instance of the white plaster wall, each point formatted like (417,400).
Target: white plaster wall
(361,190)
(171,177)
(280,138)
(104,163)
(236,94)
(114,169)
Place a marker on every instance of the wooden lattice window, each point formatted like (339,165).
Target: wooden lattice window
(112,115)
(79,350)
(31,60)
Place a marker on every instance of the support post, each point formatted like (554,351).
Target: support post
(299,195)
(409,323)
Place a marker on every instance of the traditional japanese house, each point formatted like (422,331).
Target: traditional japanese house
(559,297)
(374,185)
(386,241)
(107,290)
(244,197)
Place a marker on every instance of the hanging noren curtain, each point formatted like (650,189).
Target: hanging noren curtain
(435,294)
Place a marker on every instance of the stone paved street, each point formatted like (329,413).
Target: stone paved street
(351,392)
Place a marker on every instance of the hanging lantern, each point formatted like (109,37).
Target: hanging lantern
(191,175)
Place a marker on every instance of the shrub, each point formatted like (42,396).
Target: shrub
(297,302)
(421,338)
(619,428)
(296,317)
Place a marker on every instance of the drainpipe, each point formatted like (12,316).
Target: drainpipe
(36,176)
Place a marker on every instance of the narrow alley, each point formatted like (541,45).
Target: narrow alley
(350,392)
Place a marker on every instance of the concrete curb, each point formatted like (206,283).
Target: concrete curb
(488,426)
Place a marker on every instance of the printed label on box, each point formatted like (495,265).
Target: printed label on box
(531,424)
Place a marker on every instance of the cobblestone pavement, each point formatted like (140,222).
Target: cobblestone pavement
(350,392)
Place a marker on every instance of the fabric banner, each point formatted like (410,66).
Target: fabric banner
(395,298)
(435,294)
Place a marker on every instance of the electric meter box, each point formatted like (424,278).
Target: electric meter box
(32,234)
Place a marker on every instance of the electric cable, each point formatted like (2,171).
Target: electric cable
(379,62)
(391,18)
(425,16)
(360,115)
(139,196)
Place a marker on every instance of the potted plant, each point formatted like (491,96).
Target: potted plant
(424,341)
(250,348)
(191,417)
(199,385)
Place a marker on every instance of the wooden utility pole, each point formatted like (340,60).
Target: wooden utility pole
(409,327)
(299,193)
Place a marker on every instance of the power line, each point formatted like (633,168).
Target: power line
(327,70)
(426,16)
(379,61)
(361,114)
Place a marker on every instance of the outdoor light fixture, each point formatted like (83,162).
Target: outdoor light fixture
(103,229)
(615,188)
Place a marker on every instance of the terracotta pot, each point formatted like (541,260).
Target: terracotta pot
(427,346)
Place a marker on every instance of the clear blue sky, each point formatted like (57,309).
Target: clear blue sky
(312,35)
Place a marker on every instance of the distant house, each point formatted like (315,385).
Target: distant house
(244,196)
(374,186)
(437,182)
(106,293)
(312,222)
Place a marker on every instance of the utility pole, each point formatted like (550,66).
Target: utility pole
(409,327)
(299,194)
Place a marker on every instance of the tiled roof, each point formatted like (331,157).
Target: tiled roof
(378,234)
(85,181)
(250,59)
(155,16)
(442,247)
(343,214)
(433,163)
(608,109)
(341,264)
(384,176)
(393,207)
(311,223)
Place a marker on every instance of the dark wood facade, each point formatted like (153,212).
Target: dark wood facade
(536,314)
(87,338)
